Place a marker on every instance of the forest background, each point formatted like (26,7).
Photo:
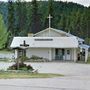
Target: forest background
(20,18)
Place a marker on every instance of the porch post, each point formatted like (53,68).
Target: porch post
(16,53)
(86,55)
(50,54)
(75,55)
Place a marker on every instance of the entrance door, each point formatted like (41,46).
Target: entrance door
(68,55)
(59,53)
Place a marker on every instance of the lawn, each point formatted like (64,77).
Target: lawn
(5,51)
(21,75)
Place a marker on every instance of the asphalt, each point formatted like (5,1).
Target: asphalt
(77,77)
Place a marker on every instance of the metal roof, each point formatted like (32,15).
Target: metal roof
(60,31)
(46,42)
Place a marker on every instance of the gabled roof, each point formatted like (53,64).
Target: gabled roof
(60,31)
(56,30)
(46,42)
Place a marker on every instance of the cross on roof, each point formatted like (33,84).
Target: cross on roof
(24,44)
(49,17)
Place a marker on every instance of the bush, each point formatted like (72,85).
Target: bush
(23,58)
(35,57)
(22,66)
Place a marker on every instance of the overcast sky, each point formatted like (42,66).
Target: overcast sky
(83,2)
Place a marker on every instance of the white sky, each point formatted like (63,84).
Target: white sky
(83,2)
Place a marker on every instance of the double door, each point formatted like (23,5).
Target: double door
(59,54)
(63,54)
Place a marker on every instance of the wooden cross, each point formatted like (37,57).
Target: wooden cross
(24,44)
(24,50)
(49,17)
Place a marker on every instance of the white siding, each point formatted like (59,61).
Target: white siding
(41,52)
(16,53)
(53,53)
(74,55)
(50,54)
(50,33)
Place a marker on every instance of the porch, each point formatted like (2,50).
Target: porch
(64,54)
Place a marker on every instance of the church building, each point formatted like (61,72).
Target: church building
(51,44)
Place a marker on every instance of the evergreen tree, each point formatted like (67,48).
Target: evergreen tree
(50,7)
(3,33)
(11,18)
(21,17)
(62,24)
(50,11)
(35,18)
(29,15)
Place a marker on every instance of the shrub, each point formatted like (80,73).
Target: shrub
(23,58)
(36,57)
(22,66)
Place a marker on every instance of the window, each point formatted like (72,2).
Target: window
(56,52)
(63,51)
(43,39)
(68,51)
(20,53)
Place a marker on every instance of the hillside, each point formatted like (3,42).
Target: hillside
(70,17)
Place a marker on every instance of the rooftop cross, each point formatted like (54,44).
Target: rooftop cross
(49,17)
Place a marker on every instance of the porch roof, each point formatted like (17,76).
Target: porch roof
(84,46)
(46,42)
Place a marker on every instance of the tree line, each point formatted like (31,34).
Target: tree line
(23,17)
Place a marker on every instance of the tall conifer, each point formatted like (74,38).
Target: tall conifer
(35,18)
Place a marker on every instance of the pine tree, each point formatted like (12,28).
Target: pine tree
(50,7)
(51,12)
(62,24)
(10,24)
(35,18)
(21,17)
(3,33)
(11,18)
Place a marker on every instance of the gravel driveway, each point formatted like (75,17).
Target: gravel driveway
(71,69)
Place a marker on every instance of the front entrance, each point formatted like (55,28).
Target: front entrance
(59,54)
(68,54)
(62,54)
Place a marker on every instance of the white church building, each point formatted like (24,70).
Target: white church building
(51,44)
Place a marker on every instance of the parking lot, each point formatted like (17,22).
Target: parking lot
(76,77)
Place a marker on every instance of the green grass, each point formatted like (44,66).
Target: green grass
(21,75)
(5,51)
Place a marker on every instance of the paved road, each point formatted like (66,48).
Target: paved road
(77,77)
(65,83)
